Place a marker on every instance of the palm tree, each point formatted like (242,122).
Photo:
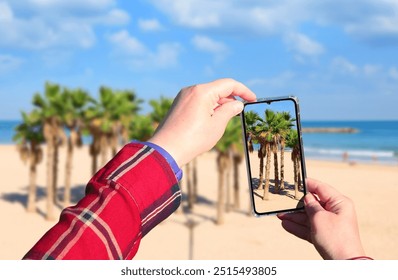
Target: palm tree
(160,108)
(253,136)
(141,128)
(128,106)
(75,102)
(107,119)
(50,108)
(265,138)
(288,124)
(280,125)
(237,157)
(29,137)
(224,147)
(251,120)
(292,141)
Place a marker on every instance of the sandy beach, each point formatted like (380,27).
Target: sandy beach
(372,187)
(277,201)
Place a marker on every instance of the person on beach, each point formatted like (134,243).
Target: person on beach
(138,188)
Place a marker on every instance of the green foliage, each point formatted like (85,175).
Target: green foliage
(292,140)
(160,108)
(30,129)
(75,102)
(273,127)
(141,128)
(50,104)
(113,106)
(232,136)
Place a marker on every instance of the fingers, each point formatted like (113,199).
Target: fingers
(300,218)
(296,224)
(312,205)
(322,190)
(225,87)
(228,110)
(298,230)
(330,199)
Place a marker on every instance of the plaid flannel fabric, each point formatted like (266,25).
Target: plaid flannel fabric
(128,197)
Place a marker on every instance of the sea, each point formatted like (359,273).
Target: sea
(374,141)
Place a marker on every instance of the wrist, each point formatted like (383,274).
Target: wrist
(169,158)
(169,147)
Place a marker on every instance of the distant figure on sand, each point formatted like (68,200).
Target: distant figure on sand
(345,156)
(139,188)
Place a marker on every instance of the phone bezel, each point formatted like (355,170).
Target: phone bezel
(300,139)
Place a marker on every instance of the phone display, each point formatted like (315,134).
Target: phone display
(274,155)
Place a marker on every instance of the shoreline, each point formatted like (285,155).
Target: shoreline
(335,159)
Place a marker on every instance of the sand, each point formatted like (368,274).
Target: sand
(277,201)
(372,187)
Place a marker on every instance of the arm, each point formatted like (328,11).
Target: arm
(329,222)
(138,189)
(122,203)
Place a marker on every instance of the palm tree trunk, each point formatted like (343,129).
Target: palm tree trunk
(31,207)
(282,181)
(189,186)
(103,149)
(297,175)
(195,180)
(276,172)
(68,169)
(94,151)
(221,194)
(236,161)
(94,164)
(228,184)
(50,180)
(267,172)
(262,154)
(55,171)
(295,171)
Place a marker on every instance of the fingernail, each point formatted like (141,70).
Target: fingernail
(309,198)
(238,107)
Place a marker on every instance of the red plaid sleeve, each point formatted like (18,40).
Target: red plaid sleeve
(128,197)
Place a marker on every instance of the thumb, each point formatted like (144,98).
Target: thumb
(228,110)
(312,205)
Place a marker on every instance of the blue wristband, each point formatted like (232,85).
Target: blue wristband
(177,170)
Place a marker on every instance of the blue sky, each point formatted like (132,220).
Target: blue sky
(339,57)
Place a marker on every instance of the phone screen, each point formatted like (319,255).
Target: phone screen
(274,155)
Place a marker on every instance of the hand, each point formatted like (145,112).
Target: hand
(329,222)
(198,117)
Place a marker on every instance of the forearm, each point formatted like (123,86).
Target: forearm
(134,192)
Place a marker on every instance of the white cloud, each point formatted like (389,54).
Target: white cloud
(393,73)
(344,66)
(72,4)
(149,25)
(127,44)
(139,56)
(166,55)
(370,69)
(206,44)
(9,63)
(193,13)
(6,13)
(370,20)
(278,81)
(44,24)
(303,45)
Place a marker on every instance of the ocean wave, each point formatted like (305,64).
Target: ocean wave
(357,153)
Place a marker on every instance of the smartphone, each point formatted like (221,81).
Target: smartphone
(274,155)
